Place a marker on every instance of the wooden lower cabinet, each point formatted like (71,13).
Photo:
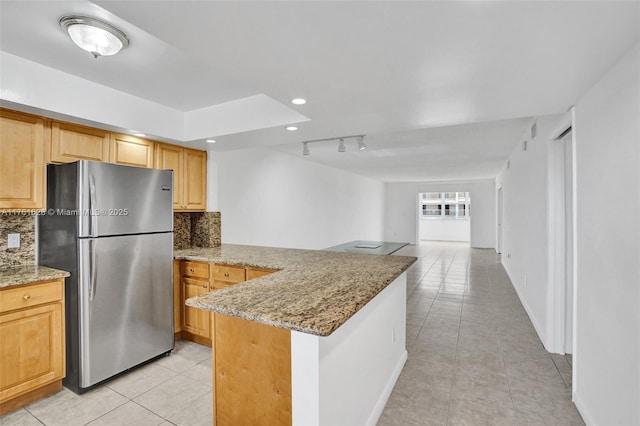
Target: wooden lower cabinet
(196,279)
(32,343)
(195,322)
(251,365)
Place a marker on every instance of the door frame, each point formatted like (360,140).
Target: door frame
(499,218)
(556,294)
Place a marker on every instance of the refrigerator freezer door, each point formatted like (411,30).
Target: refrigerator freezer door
(118,200)
(125,303)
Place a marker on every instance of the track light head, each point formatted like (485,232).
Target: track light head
(341,147)
(305,148)
(361,145)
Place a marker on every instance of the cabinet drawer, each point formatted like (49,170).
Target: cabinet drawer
(195,269)
(257,273)
(30,295)
(230,274)
(217,285)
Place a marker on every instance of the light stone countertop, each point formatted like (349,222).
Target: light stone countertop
(313,292)
(27,274)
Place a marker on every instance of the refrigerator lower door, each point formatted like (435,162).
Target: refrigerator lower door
(125,303)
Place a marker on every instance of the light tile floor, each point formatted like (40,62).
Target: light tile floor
(474,356)
(174,390)
(474,359)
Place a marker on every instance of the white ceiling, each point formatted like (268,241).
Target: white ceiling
(443,90)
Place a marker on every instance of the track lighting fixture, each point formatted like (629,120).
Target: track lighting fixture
(341,146)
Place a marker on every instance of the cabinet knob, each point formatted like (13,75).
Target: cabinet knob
(204,286)
(26,297)
(226,274)
(190,269)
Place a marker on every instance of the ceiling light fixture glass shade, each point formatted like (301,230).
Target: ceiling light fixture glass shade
(341,147)
(361,145)
(94,36)
(305,149)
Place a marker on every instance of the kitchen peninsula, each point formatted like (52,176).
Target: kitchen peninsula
(320,341)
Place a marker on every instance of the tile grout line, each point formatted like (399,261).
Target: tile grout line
(455,362)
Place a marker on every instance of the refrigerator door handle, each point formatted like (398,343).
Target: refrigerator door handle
(93,266)
(92,204)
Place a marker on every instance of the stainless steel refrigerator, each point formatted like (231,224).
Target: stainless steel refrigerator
(111,227)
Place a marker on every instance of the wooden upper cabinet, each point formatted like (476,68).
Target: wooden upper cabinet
(195,195)
(71,142)
(23,138)
(171,157)
(131,151)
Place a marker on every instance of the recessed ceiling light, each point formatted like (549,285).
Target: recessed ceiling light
(291,128)
(298,101)
(142,135)
(94,36)
(211,141)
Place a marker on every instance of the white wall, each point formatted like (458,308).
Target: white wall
(274,199)
(439,229)
(401,209)
(42,89)
(524,224)
(347,377)
(607,352)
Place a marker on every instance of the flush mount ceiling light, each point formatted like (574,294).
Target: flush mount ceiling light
(341,145)
(298,101)
(211,141)
(291,128)
(94,36)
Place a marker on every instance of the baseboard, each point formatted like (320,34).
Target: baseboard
(386,392)
(582,409)
(529,311)
(30,397)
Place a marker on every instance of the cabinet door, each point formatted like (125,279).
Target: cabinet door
(195,321)
(171,157)
(31,349)
(177,298)
(131,151)
(196,180)
(22,165)
(70,142)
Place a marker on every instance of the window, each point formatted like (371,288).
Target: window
(445,205)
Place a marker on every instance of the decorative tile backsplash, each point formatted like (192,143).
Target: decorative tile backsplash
(196,230)
(205,229)
(189,230)
(25,226)
(181,230)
